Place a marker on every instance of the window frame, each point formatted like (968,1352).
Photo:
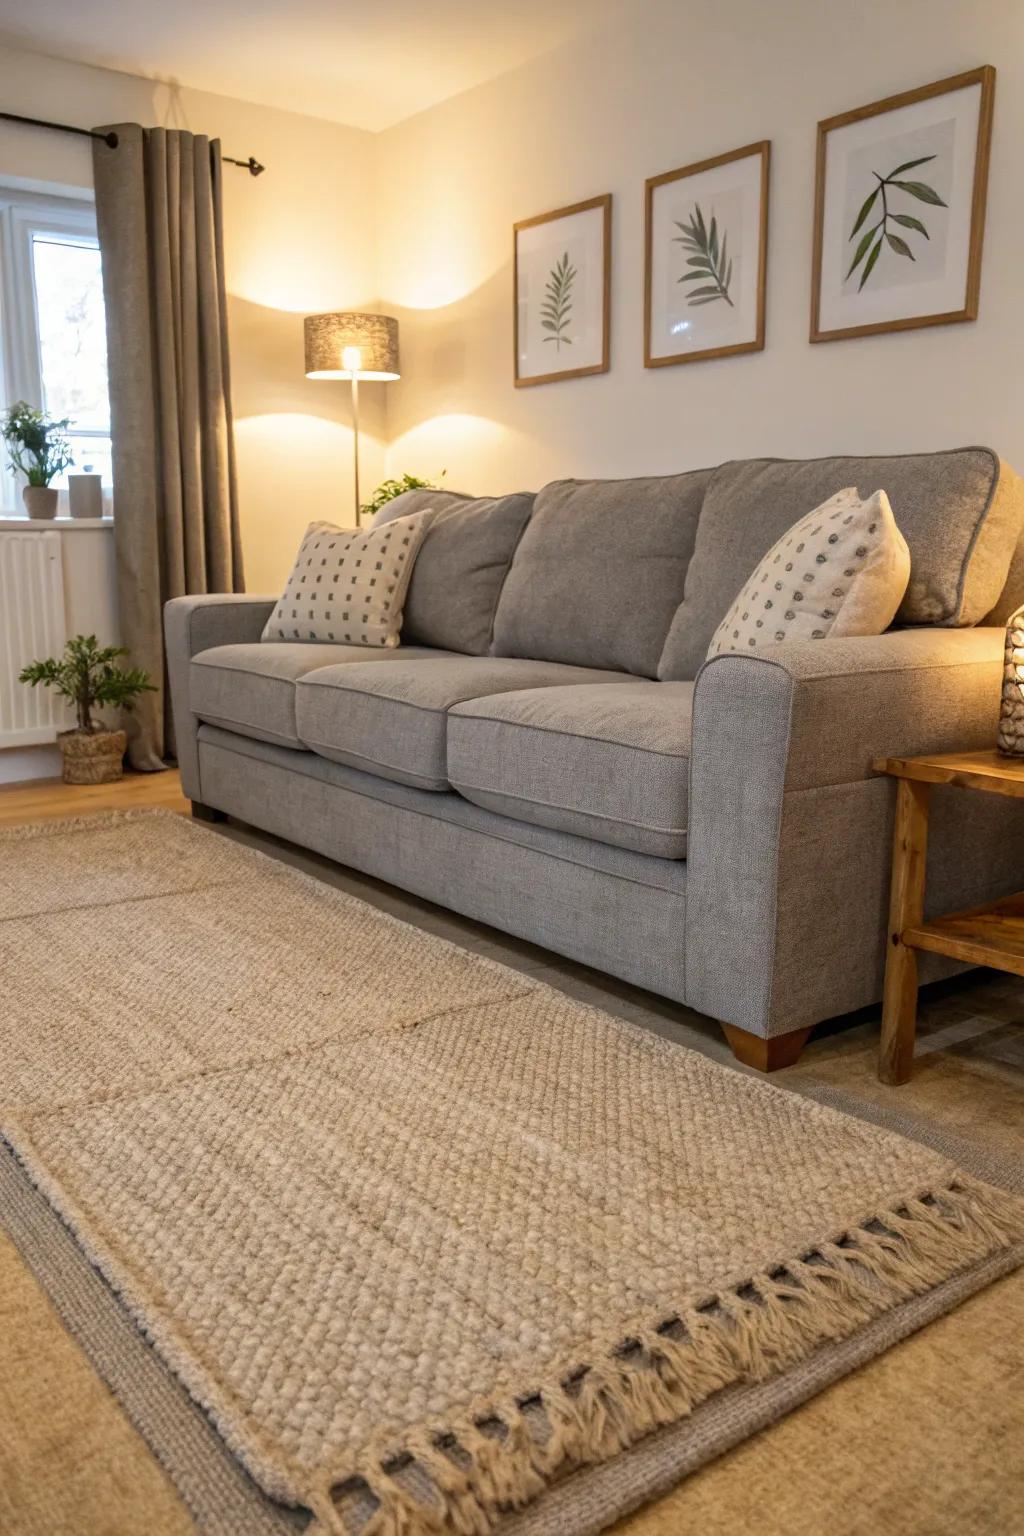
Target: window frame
(24,214)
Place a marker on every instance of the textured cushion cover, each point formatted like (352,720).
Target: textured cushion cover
(348,585)
(395,725)
(609,762)
(461,566)
(842,570)
(599,571)
(250,688)
(960,513)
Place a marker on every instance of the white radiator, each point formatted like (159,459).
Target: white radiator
(32,627)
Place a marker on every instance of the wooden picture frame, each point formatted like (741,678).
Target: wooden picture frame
(561,282)
(933,274)
(735,196)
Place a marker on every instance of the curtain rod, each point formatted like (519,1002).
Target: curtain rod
(251,165)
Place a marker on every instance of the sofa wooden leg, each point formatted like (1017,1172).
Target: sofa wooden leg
(766,1055)
(203,812)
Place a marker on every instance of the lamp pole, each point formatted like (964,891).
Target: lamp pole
(355,442)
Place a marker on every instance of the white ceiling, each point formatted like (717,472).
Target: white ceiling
(369,63)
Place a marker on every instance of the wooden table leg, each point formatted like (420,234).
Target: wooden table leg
(906,908)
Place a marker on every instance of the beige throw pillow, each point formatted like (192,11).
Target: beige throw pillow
(349,585)
(841,570)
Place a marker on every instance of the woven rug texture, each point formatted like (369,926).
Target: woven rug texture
(421,1234)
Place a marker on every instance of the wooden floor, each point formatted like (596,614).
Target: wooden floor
(46,799)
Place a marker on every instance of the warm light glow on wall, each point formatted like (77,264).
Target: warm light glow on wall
(444,442)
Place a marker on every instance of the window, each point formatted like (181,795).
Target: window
(53,328)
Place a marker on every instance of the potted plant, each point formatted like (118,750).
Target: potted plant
(38,446)
(389,489)
(87,677)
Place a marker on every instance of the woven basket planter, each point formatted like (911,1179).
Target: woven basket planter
(92,757)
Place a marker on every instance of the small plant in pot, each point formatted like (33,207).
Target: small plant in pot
(86,675)
(37,447)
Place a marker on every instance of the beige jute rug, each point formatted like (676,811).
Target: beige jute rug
(421,1234)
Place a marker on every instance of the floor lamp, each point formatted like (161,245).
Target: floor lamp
(351,346)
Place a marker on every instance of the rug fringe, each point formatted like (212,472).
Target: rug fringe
(461,1477)
(85,822)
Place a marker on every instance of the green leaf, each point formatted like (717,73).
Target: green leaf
(909,222)
(865,208)
(921,190)
(865,241)
(899,246)
(908,165)
(869,265)
(709,242)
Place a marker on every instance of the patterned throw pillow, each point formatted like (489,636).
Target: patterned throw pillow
(349,585)
(841,570)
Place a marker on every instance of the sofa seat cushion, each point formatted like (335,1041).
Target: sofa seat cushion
(393,721)
(251,688)
(610,763)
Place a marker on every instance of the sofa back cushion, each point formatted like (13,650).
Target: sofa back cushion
(461,566)
(960,512)
(600,571)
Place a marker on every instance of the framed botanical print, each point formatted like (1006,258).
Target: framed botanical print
(562,292)
(899,209)
(706,233)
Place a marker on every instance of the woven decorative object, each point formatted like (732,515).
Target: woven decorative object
(92,757)
(329,337)
(1011,709)
(421,1234)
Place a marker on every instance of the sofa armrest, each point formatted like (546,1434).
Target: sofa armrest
(789,829)
(191,625)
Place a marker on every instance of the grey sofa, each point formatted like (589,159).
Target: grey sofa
(546,751)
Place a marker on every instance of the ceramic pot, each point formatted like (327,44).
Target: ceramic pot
(92,757)
(40,500)
(85,495)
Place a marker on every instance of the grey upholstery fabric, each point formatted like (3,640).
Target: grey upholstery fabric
(789,848)
(393,721)
(600,571)
(609,762)
(461,566)
(251,688)
(193,624)
(960,512)
(158,211)
(599,905)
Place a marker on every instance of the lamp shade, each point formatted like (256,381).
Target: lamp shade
(341,344)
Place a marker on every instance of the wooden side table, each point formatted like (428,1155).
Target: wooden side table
(989,935)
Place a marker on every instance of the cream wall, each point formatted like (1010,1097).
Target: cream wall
(679,83)
(298,239)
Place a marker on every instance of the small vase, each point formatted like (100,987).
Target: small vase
(92,757)
(85,495)
(1011,707)
(40,500)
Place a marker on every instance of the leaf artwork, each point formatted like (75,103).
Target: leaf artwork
(557,306)
(878,234)
(710,261)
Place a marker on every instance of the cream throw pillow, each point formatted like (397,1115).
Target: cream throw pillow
(841,570)
(349,586)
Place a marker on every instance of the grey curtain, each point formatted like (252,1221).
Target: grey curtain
(159,217)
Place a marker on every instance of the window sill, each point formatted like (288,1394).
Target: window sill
(62,524)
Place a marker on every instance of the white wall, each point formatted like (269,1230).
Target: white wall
(679,83)
(298,239)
